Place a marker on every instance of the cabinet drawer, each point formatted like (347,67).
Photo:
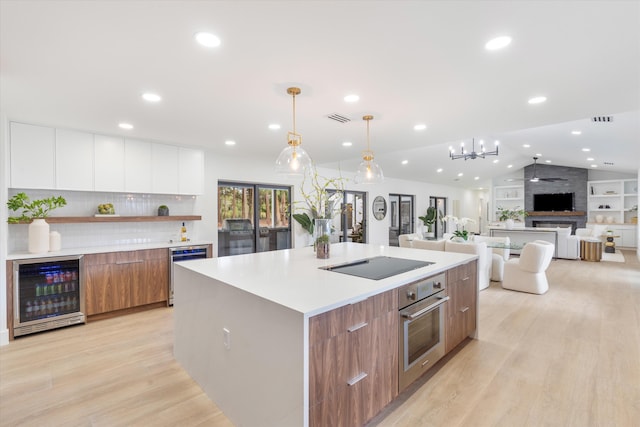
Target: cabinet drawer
(350,317)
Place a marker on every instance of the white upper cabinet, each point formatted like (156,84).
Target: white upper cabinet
(164,169)
(137,166)
(74,160)
(109,163)
(32,156)
(190,171)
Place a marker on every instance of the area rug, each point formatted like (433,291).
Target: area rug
(615,257)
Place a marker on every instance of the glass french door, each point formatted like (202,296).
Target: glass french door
(402,216)
(440,203)
(253,218)
(351,224)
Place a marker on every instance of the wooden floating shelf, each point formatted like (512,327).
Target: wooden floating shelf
(553,213)
(86,219)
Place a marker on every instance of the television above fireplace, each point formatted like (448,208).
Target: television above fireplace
(554,202)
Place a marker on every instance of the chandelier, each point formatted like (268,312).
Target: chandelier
(293,160)
(473,154)
(369,172)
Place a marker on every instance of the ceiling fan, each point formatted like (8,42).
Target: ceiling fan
(534,178)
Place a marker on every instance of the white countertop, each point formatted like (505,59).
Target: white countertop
(293,279)
(103,249)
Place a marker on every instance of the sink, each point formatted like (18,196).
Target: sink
(377,268)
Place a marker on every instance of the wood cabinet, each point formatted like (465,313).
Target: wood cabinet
(32,154)
(461,309)
(121,280)
(353,361)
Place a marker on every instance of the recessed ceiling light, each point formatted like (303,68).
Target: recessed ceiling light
(498,43)
(537,99)
(151,97)
(476,178)
(590,159)
(586,150)
(526,145)
(538,154)
(347,144)
(420,127)
(548,161)
(496,161)
(576,132)
(509,166)
(439,170)
(351,98)
(229,142)
(404,162)
(460,174)
(274,126)
(127,126)
(207,39)
(594,166)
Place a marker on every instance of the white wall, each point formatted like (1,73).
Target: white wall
(4,229)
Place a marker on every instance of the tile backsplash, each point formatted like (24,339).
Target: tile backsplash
(78,235)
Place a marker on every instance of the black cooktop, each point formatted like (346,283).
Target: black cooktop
(377,268)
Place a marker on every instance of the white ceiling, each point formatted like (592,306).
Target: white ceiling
(84,65)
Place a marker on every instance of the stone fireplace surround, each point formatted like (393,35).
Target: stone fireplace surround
(576,183)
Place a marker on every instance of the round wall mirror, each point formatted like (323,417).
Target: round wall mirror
(379,208)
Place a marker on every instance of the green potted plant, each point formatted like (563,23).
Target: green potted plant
(508,216)
(322,246)
(163,210)
(35,211)
(428,220)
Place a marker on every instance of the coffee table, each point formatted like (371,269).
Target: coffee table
(591,250)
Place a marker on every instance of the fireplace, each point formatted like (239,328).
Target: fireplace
(555,224)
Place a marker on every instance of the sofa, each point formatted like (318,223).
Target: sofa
(479,248)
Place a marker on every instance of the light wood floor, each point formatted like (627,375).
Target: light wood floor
(567,358)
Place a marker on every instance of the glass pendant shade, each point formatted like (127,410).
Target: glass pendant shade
(369,172)
(292,161)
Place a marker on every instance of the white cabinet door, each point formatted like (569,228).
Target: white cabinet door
(164,169)
(137,166)
(32,156)
(74,160)
(190,171)
(628,238)
(109,163)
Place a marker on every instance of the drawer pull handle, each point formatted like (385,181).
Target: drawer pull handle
(425,362)
(357,378)
(356,327)
(466,278)
(129,262)
(462,310)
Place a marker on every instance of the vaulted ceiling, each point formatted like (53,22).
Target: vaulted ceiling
(84,65)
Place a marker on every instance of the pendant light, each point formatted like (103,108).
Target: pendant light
(293,160)
(369,172)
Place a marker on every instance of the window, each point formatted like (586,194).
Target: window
(238,216)
(402,222)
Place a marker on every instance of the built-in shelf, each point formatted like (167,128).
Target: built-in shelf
(85,219)
(553,213)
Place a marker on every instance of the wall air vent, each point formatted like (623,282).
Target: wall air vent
(602,119)
(608,163)
(339,118)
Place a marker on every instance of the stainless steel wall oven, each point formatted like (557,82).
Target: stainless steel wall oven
(48,293)
(421,327)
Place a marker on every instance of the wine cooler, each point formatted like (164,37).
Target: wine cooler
(48,294)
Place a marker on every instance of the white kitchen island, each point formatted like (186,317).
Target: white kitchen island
(242,322)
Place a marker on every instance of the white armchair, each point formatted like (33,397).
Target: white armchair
(498,257)
(484,258)
(528,273)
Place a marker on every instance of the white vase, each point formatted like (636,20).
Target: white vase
(599,218)
(38,236)
(508,224)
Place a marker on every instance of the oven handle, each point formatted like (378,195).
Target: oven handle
(412,316)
